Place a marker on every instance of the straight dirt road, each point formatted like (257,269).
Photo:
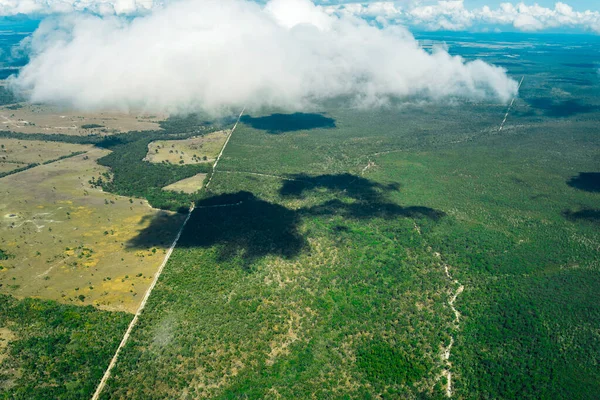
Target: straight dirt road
(133,322)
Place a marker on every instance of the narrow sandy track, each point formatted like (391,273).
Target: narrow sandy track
(222,205)
(510,105)
(263,175)
(214,168)
(134,321)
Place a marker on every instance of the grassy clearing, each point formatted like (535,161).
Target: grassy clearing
(188,185)
(203,149)
(20,153)
(7,167)
(71,242)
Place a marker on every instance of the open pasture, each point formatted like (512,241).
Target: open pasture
(187,185)
(16,153)
(70,242)
(36,118)
(196,150)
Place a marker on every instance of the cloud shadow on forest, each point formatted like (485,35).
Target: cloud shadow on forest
(240,225)
(587,181)
(561,108)
(281,123)
(586,214)
(347,184)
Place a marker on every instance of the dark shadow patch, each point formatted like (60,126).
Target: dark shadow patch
(281,123)
(560,109)
(239,225)
(587,214)
(341,228)
(369,210)
(368,197)
(160,233)
(242,228)
(588,181)
(349,185)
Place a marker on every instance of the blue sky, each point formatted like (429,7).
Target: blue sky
(449,15)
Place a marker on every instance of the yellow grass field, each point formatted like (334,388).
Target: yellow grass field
(16,153)
(34,118)
(7,167)
(202,149)
(70,242)
(187,185)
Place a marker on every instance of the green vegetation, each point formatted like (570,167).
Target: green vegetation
(324,261)
(4,255)
(131,176)
(329,284)
(91,126)
(55,351)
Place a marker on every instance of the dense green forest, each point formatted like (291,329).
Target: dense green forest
(56,351)
(329,281)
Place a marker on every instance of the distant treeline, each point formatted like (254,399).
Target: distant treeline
(7,97)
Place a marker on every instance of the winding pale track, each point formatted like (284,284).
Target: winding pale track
(448,350)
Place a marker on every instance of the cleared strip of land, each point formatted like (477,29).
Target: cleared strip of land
(214,169)
(133,322)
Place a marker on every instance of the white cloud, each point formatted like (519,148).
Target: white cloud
(217,55)
(453,15)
